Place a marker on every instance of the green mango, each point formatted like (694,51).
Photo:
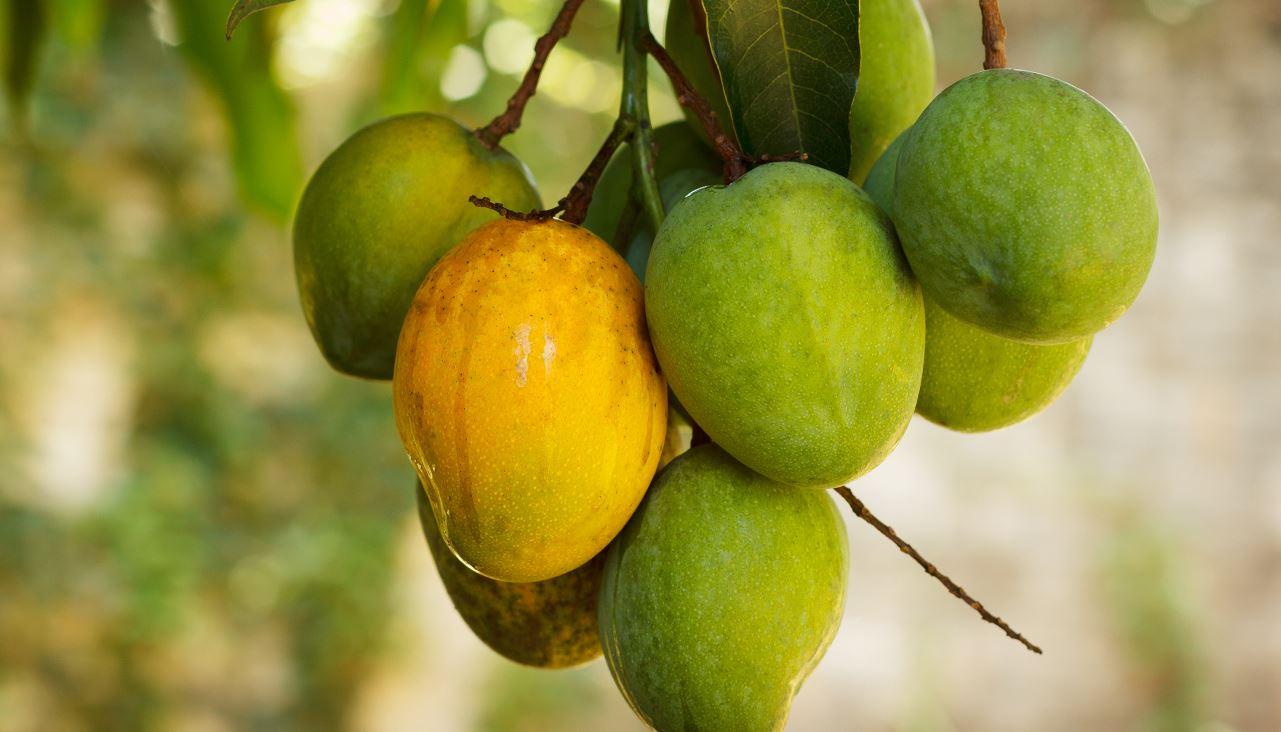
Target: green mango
(682,164)
(1025,207)
(548,624)
(880,181)
(804,358)
(686,42)
(376,216)
(721,596)
(895,78)
(974,381)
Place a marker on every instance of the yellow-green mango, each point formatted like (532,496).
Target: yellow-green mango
(375,217)
(721,596)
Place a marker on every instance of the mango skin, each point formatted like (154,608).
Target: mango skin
(1025,207)
(721,596)
(880,181)
(548,624)
(689,49)
(895,80)
(974,381)
(787,322)
(683,164)
(375,217)
(528,398)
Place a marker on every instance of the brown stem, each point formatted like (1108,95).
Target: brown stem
(736,162)
(573,207)
(507,122)
(993,34)
(957,591)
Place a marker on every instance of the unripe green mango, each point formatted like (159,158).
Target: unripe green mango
(787,322)
(721,596)
(688,47)
(895,78)
(375,217)
(548,624)
(683,164)
(1025,207)
(974,381)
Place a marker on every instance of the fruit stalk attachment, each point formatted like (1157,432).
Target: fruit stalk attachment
(573,207)
(507,122)
(957,591)
(689,98)
(632,124)
(993,34)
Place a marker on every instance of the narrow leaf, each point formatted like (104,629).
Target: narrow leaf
(789,68)
(245,8)
(27,27)
(260,116)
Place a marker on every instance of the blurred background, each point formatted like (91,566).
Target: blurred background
(202,527)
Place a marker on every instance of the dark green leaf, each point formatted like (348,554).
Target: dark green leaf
(27,24)
(789,68)
(245,8)
(79,23)
(419,38)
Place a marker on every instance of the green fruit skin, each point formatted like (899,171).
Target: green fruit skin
(375,217)
(721,596)
(683,164)
(689,49)
(880,181)
(548,624)
(785,318)
(1025,207)
(895,80)
(974,381)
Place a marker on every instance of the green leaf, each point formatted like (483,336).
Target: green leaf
(245,8)
(420,36)
(79,24)
(260,117)
(25,34)
(789,68)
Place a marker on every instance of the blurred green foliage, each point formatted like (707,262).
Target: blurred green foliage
(198,520)
(264,142)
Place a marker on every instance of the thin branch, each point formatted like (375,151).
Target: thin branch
(507,122)
(573,207)
(993,34)
(957,591)
(736,162)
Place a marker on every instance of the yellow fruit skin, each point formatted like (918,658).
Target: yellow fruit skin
(528,397)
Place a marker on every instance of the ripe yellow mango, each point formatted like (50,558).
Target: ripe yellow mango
(528,398)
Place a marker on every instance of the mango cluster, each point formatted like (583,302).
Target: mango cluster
(547,377)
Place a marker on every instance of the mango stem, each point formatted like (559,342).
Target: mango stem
(957,591)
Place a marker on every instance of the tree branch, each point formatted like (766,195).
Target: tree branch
(573,207)
(736,162)
(509,120)
(957,591)
(993,34)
